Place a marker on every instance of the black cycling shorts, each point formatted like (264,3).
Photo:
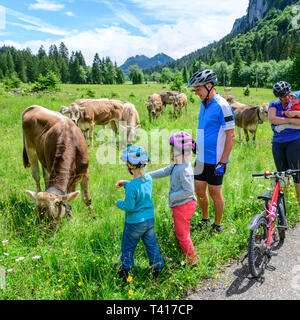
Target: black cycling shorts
(206,172)
(287,156)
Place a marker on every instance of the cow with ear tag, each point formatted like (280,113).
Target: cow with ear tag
(55,142)
(55,206)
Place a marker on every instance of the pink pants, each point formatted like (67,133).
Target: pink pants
(182,215)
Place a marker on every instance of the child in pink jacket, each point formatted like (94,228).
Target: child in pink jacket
(182,200)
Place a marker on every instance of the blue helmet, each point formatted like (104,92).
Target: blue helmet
(135,155)
(296,94)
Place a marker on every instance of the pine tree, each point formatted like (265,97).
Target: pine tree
(237,66)
(96,72)
(295,70)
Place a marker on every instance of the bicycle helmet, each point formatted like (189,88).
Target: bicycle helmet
(136,156)
(200,78)
(183,142)
(281,89)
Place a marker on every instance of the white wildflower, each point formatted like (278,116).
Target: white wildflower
(233,230)
(19,259)
(36,257)
(9,270)
(4,241)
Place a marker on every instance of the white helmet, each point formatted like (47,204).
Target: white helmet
(200,78)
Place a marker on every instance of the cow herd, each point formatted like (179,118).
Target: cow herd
(54,140)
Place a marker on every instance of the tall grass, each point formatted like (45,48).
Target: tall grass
(81,260)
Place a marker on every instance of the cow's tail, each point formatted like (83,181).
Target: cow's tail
(25,156)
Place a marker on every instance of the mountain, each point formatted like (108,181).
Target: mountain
(266,32)
(144,62)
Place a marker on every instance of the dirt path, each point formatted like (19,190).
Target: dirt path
(281,279)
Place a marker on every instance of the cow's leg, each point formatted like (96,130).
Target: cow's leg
(35,169)
(253,135)
(246,134)
(46,177)
(114,127)
(86,193)
(91,134)
(239,133)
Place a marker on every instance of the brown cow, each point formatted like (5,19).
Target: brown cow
(154,106)
(249,117)
(131,119)
(55,141)
(165,98)
(179,101)
(90,112)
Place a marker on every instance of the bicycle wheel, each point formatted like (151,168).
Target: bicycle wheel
(281,218)
(257,257)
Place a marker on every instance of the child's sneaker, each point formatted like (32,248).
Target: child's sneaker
(123,273)
(216,228)
(156,273)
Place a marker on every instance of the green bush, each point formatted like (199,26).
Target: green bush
(12,83)
(247,91)
(46,83)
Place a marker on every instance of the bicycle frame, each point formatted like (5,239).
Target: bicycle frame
(271,216)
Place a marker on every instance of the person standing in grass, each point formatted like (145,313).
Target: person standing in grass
(139,213)
(215,139)
(285,143)
(182,199)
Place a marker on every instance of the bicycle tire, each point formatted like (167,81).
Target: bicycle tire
(281,219)
(257,257)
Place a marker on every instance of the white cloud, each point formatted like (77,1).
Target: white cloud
(46,5)
(69,13)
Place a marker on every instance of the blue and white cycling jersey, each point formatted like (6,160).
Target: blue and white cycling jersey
(214,119)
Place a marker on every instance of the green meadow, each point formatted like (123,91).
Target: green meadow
(81,261)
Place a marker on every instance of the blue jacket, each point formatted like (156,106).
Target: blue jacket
(138,203)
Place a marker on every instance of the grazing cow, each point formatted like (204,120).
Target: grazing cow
(165,97)
(249,117)
(91,112)
(55,141)
(131,117)
(154,106)
(179,101)
(227,90)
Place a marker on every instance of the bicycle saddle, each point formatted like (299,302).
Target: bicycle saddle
(266,196)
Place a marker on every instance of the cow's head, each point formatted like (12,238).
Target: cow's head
(50,205)
(263,112)
(132,132)
(154,104)
(73,111)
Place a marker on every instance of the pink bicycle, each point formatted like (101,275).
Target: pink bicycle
(268,224)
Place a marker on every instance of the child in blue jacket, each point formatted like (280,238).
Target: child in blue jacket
(139,212)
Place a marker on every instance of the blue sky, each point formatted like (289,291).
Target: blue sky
(120,28)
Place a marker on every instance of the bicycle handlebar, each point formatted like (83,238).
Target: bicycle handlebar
(279,173)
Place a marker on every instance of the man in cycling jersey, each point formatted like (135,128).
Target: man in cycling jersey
(215,139)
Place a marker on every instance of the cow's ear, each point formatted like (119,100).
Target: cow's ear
(32,195)
(64,109)
(70,196)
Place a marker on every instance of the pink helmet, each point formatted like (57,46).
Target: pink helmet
(183,141)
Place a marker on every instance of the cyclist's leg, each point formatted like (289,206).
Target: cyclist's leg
(217,196)
(200,182)
(293,157)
